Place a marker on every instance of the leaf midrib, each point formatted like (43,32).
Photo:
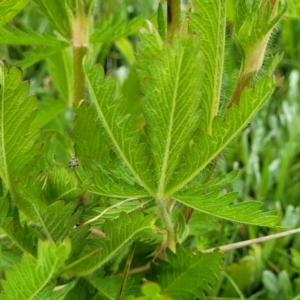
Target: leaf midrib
(169,136)
(213,155)
(111,135)
(5,176)
(218,71)
(231,219)
(41,219)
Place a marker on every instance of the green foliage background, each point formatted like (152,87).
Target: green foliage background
(266,153)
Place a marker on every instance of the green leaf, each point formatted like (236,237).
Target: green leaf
(209,21)
(17,110)
(79,240)
(9,8)
(116,206)
(186,275)
(161,22)
(220,206)
(60,67)
(254,22)
(296,258)
(126,48)
(32,57)
(30,37)
(107,287)
(200,183)
(9,258)
(115,29)
(47,110)
(61,293)
(58,14)
(119,233)
(204,148)
(58,219)
(95,159)
(253,26)
(10,224)
(82,290)
(56,184)
(29,278)
(119,128)
(62,184)
(152,292)
(170,76)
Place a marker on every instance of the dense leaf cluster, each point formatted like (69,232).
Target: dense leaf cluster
(125,203)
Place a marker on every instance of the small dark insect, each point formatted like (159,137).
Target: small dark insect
(73,162)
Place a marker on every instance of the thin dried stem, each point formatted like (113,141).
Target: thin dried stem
(252,241)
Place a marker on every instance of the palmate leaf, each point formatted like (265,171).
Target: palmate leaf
(118,128)
(170,77)
(186,275)
(34,277)
(9,8)
(17,149)
(10,224)
(220,206)
(205,147)
(209,21)
(119,233)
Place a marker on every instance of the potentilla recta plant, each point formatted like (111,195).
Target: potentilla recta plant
(113,224)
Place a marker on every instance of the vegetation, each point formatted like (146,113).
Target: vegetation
(133,169)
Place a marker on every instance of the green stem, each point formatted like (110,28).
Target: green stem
(79,77)
(80,45)
(170,241)
(173,9)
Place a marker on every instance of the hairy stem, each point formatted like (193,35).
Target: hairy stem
(170,240)
(173,10)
